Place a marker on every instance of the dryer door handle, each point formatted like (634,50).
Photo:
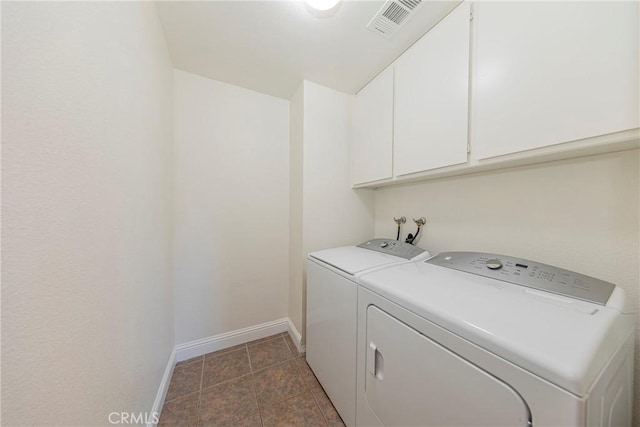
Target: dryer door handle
(376,361)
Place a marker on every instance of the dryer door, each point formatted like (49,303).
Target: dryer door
(413,381)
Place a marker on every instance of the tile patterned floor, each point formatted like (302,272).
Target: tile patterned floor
(263,383)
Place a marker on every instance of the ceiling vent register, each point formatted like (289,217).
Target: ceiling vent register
(392,15)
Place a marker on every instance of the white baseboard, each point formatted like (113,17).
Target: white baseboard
(229,339)
(162,390)
(295,336)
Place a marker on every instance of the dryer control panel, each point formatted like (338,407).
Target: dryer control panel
(528,273)
(392,247)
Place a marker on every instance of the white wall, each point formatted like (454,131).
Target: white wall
(87,324)
(296,255)
(231,207)
(332,213)
(580,214)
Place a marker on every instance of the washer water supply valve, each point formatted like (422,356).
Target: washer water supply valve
(399,221)
(419,223)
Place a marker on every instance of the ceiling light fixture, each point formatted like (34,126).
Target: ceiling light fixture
(322,5)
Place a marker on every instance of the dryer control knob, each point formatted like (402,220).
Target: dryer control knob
(384,244)
(494,264)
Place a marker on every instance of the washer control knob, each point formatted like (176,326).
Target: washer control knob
(384,244)
(494,264)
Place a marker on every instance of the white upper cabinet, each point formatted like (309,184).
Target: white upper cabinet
(552,72)
(372,137)
(431,97)
(523,82)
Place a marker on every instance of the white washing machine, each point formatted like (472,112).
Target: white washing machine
(471,339)
(332,312)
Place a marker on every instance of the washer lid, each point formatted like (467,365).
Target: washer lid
(566,341)
(356,259)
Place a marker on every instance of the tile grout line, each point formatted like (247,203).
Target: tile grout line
(279,402)
(288,398)
(298,395)
(313,395)
(315,398)
(286,343)
(275,364)
(291,350)
(200,392)
(307,388)
(253,381)
(263,340)
(180,397)
(188,362)
(225,381)
(201,375)
(288,360)
(225,353)
(193,392)
(255,393)
(287,346)
(246,347)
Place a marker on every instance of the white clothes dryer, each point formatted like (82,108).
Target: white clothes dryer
(332,312)
(472,339)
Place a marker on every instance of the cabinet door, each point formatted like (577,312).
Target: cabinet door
(552,72)
(431,97)
(372,139)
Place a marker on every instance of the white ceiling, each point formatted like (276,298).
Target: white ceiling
(270,46)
